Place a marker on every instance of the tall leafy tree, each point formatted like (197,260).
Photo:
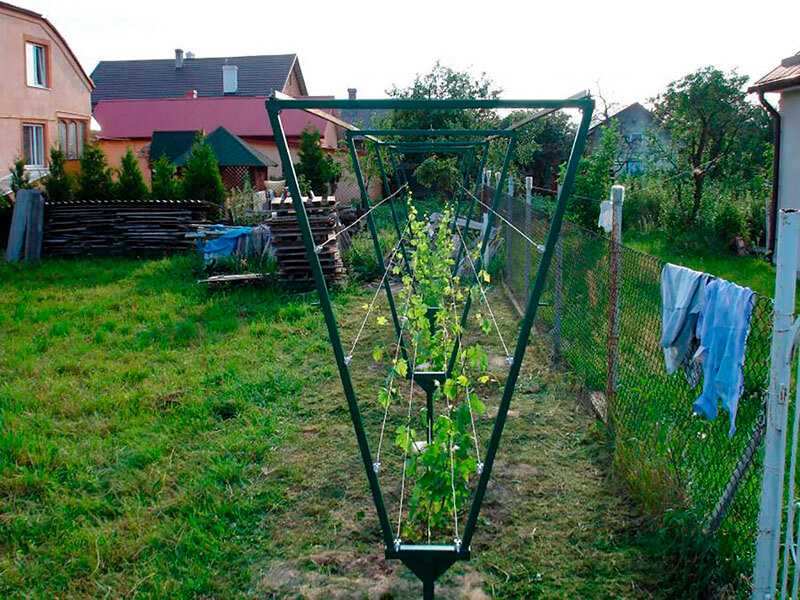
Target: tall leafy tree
(714,130)
(201,176)
(94,181)
(595,177)
(165,185)
(542,146)
(318,169)
(130,182)
(59,184)
(443,82)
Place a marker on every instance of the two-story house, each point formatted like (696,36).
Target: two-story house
(133,99)
(636,124)
(45,99)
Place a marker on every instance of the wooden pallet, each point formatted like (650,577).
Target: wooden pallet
(290,252)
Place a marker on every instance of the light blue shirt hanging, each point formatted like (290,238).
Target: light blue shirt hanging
(722,330)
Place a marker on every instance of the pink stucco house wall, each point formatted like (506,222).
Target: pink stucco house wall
(46,95)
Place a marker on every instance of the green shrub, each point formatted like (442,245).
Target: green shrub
(19,176)
(360,259)
(729,222)
(645,200)
(165,185)
(60,185)
(94,181)
(201,177)
(130,183)
(319,170)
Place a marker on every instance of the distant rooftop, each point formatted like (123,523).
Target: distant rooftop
(174,77)
(785,75)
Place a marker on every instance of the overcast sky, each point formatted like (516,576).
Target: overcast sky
(530,49)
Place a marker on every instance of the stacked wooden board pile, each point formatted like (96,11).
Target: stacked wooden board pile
(290,253)
(109,227)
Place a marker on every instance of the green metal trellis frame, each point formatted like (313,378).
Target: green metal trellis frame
(427,561)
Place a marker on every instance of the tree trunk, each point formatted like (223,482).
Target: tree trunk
(697,195)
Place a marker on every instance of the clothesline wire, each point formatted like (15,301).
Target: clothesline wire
(319,247)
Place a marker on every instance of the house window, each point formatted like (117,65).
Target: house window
(635,167)
(36,64)
(71,135)
(33,144)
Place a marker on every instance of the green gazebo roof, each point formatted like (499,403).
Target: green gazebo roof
(230,150)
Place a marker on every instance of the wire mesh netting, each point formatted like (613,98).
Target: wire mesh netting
(668,457)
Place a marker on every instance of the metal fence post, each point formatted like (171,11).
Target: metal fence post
(765,571)
(617,198)
(558,295)
(528,250)
(509,233)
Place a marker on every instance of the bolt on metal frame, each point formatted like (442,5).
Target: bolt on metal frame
(427,561)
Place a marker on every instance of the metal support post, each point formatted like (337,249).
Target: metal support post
(765,571)
(528,250)
(558,297)
(509,231)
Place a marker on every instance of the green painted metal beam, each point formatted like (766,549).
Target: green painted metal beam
(425,104)
(330,320)
(529,317)
(482,133)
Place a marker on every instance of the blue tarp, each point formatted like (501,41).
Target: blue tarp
(225,244)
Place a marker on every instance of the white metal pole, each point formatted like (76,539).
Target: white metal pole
(765,571)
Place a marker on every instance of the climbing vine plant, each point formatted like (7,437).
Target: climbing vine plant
(441,462)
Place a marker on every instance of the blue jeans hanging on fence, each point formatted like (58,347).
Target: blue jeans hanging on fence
(722,329)
(682,297)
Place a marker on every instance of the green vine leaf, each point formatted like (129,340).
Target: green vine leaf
(401,367)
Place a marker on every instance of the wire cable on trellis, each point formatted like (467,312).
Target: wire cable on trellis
(319,247)
(483,295)
(408,442)
(377,464)
(393,254)
(466,391)
(502,218)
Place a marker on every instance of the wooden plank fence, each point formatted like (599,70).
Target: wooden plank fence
(109,227)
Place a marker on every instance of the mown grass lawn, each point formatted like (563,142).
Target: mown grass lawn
(158,439)
(755,273)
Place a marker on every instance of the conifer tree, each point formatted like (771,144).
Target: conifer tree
(130,183)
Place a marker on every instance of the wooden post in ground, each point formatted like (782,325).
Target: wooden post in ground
(617,197)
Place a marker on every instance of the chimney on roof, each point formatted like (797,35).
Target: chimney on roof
(178,58)
(189,55)
(230,79)
(351,93)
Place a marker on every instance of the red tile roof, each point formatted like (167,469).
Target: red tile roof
(785,75)
(243,116)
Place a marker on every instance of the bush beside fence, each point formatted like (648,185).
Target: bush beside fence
(669,458)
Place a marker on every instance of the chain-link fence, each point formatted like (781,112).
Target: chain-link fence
(668,457)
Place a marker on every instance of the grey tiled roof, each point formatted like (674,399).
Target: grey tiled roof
(139,79)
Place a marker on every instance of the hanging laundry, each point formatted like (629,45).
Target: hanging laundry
(605,220)
(682,297)
(722,330)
